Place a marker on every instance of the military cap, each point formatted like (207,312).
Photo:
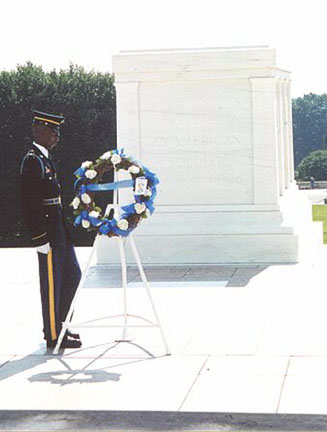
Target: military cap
(51,120)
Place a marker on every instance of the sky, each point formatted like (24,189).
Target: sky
(88,32)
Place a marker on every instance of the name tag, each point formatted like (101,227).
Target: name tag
(141,184)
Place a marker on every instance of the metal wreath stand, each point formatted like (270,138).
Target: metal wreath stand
(68,324)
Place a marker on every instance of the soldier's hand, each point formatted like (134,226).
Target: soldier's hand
(44,249)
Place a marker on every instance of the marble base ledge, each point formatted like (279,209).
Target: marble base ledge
(211,249)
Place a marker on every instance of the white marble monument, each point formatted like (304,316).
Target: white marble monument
(215,125)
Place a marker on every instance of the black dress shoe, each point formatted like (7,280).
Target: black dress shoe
(73,335)
(66,343)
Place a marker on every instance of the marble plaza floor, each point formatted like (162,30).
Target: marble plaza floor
(245,341)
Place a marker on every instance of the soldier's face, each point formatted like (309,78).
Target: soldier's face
(46,136)
(52,137)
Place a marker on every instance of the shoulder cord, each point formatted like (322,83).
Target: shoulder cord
(39,160)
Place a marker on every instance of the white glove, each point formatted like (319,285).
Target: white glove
(44,249)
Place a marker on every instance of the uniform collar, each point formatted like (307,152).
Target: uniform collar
(42,149)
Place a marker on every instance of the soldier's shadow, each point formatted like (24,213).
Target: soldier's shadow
(87,374)
(15,367)
(75,376)
(64,374)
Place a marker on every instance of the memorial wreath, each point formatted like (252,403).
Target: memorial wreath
(89,176)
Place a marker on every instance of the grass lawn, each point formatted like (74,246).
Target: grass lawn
(319,214)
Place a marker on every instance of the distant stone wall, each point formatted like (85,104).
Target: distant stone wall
(307,184)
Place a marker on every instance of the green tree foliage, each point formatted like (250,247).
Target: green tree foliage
(315,164)
(86,99)
(309,125)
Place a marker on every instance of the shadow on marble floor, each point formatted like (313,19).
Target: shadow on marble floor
(17,366)
(106,276)
(70,375)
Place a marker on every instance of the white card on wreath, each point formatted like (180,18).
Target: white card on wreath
(141,184)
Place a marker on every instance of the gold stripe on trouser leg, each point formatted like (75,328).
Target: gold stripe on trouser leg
(51,297)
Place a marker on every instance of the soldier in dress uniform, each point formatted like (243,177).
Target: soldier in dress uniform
(59,270)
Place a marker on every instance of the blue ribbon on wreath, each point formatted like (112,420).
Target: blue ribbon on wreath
(85,216)
(102,187)
(151,176)
(80,172)
(110,186)
(122,233)
(111,225)
(128,209)
(107,226)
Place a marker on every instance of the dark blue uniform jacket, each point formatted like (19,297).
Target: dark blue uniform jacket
(39,181)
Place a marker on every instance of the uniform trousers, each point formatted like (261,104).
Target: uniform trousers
(60,275)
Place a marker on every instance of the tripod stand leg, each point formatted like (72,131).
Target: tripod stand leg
(124,283)
(65,324)
(145,281)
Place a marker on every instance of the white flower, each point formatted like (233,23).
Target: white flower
(139,208)
(90,174)
(86,198)
(133,169)
(94,214)
(75,203)
(86,164)
(122,224)
(115,159)
(85,223)
(106,155)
